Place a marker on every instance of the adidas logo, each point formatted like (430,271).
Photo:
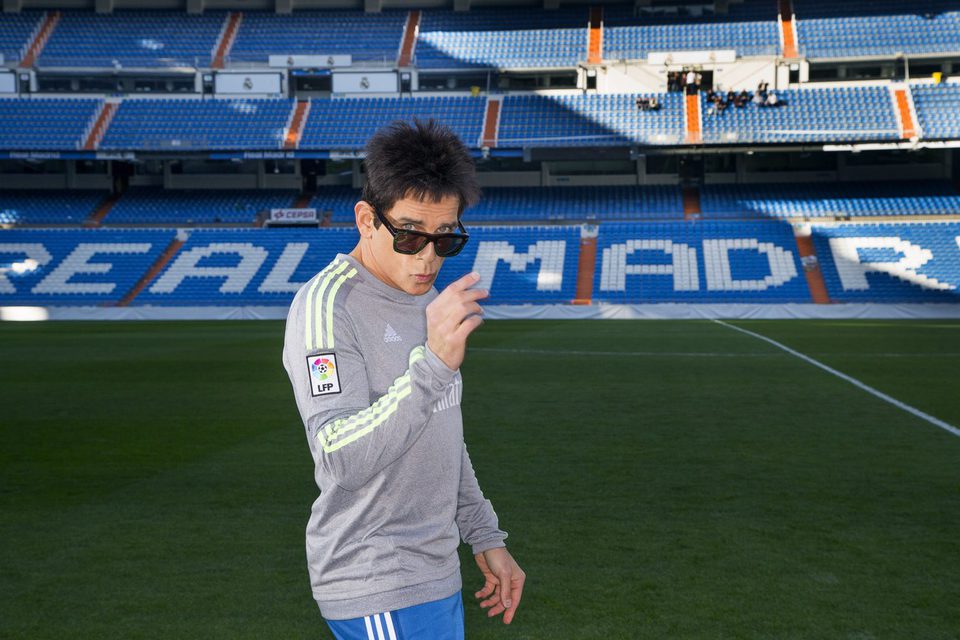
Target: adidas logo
(390,335)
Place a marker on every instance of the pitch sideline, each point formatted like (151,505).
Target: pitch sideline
(937,422)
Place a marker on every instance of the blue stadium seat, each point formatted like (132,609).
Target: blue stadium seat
(37,206)
(197,206)
(938,109)
(16,30)
(45,124)
(137,39)
(198,125)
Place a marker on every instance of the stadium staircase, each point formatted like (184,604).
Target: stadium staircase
(811,267)
(96,218)
(788,32)
(586,268)
(491,122)
(297,121)
(905,110)
(691,203)
(595,43)
(153,271)
(691,117)
(99,125)
(39,40)
(409,40)
(227,37)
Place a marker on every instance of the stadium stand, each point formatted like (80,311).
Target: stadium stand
(918,262)
(829,29)
(15,32)
(245,266)
(33,206)
(133,39)
(703,262)
(349,123)
(366,37)
(807,115)
(925,197)
(519,265)
(199,206)
(75,266)
(42,124)
(750,28)
(594,119)
(198,124)
(636,262)
(577,203)
(501,37)
(938,109)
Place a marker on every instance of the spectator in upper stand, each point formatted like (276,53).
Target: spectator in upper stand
(757,98)
(742,99)
(721,106)
(711,95)
(653,104)
(772,100)
(691,82)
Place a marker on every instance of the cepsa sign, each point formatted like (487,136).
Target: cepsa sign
(294,216)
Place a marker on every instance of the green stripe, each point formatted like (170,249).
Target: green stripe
(373,425)
(330,298)
(309,321)
(318,303)
(363,422)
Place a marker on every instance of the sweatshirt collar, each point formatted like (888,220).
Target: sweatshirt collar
(383,288)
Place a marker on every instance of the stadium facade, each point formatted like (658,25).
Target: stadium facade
(202,159)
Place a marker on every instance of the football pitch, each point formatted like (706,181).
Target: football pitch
(659,479)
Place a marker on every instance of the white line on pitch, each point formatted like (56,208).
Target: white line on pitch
(937,422)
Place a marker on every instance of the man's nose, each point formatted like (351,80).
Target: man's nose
(428,253)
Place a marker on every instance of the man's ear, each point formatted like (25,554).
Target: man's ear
(364,215)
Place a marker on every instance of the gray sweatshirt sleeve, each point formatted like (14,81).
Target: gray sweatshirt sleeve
(475,516)
(352,436)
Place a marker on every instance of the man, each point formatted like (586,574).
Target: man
(373,353)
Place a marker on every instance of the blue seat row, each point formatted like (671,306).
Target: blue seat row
(638,262)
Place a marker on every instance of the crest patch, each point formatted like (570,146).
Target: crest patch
(323,373)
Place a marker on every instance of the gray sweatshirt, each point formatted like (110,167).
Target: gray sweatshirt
(382,416)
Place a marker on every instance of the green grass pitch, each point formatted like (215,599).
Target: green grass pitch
(658,479)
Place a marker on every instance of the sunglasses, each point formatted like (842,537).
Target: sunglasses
(411,242)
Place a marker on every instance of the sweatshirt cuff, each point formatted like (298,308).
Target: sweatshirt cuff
(480,547)
(442,374)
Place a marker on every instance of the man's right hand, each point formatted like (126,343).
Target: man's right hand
(452,316)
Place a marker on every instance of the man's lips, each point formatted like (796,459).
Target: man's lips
(424,277)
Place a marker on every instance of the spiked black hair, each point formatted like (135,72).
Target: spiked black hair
(424,160)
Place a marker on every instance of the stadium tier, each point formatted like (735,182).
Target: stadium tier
(75,266)
(839,114)
(367,37)
(500,204)
(589,120)
(927,197)
(45,124)
(15,32)
(349,123)
(749,28)
(33,206)
(830,29)
(807,115)
(190,125)
(501,38)
(917,262)
(154,205)
(706,262)
(938,109)
(134,39)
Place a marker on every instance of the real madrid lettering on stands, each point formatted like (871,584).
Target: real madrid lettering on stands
(637,262)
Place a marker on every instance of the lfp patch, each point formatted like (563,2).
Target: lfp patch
(324,375)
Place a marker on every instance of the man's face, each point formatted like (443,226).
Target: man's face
(413,274)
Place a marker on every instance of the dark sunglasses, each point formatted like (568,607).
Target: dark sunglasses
(411,242)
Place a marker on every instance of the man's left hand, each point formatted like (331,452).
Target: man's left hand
(503,583)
